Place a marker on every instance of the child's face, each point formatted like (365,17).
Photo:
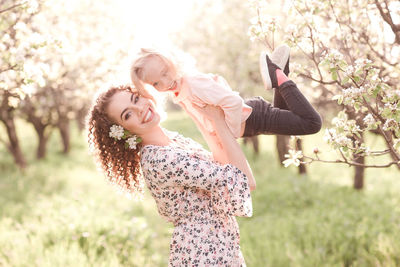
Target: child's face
(160,75)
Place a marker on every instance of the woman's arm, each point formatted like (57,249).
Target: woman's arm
(228,143)
(219,154)
(212,141)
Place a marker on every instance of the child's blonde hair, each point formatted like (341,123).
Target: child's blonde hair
(178,63)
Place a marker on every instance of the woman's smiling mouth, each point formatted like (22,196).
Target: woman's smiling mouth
(149,116)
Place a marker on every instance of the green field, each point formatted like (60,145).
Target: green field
(62,212)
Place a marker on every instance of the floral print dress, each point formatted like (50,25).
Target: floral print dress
(200,197)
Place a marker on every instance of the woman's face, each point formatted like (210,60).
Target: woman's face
(133,112)
(160,75)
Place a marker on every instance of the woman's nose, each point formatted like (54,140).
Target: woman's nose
(139,106)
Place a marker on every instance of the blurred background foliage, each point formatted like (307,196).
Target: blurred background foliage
(57,210)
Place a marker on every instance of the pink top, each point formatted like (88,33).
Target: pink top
(201,89)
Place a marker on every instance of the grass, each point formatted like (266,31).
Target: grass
(61,212)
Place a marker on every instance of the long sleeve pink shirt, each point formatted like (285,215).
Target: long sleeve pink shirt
(201,89)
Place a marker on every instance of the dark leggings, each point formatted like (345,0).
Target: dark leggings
(291,114)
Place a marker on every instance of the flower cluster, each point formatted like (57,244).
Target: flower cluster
(118,132)
(369,120)
(336,138)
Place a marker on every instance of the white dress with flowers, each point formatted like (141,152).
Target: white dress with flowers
(200,197)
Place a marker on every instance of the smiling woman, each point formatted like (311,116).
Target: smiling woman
(192,190)
(133,112)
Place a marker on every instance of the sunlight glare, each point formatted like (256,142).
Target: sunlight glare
(154,20)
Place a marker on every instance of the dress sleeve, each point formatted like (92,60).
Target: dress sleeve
(230,191)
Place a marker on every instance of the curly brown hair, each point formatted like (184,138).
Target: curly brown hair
(121,165)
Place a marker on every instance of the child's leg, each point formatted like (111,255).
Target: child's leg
(300,118)
(278,101)
(280,56)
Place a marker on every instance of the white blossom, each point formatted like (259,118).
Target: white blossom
(332,136)
(354,92)
(391,106)
(369,119)
(333,54)
(132,142)
(343,140)
(349,70)
(361,62)
(33,6)
(28,89)
(390,124)
(329,135)
(116,131)
(293,158)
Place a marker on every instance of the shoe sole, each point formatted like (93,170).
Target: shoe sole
(280,57)
(264,71)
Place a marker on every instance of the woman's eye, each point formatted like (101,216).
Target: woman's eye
(136,99)
(127,116)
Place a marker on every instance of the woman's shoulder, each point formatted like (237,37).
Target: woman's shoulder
(180,144)
(175,138)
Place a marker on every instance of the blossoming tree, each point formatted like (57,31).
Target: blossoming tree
(352,52)
(84,59)
(19,47)
(54,55)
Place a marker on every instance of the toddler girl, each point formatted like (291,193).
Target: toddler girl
(291,114)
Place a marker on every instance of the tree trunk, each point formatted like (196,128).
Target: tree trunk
(282,142)
(41,149)
(394,155)
(7,117)
(14,146)
(359,173)
(81,118)
(40,129)
(254,142)
(302,167)
(358,170)
(63,126)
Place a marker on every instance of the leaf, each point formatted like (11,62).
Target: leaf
(356,106)
(345,80)
(339,99)
(334,74)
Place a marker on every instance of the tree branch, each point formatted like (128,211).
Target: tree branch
(9,68)
(350,163)
(388,19)
(316,80)
(11,7)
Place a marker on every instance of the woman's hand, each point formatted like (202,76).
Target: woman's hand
(212,113)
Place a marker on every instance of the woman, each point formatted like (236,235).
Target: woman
(198,192)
